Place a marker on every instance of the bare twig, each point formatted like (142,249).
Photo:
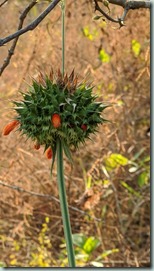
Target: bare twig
(20,189)
(1,4)
(134,3)
(97,7)
(127,5)
(12,49)
(30,26)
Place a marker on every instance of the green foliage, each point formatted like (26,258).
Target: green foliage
(40,252)
(97,17)
(85,247)
(136,47)
(143,178)
(141,166)
(2,264)
(41,256)
(104,57)
(84,251)
(130,189)
(137,165)
(87,244)
(107,253)
(115,160)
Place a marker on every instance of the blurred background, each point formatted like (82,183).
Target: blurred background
(108,187)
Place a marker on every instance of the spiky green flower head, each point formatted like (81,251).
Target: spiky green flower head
(59,107)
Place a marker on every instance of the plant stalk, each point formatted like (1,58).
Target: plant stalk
(63,36)
(60,169)
(63,205)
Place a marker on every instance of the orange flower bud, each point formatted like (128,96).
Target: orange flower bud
(56,120)
(37,146)
(10,127)
(84,127)
(49,153)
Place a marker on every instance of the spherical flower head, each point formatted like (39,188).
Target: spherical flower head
(58,107)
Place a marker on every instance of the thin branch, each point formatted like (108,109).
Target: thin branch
(124,14)
(135,3)
(12,49)
(30,26)
(127,5)
(97,7)
(20,189)
(116,2)
(1,4)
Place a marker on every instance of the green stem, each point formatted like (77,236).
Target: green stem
(63,36)
(63,205)
(60,171)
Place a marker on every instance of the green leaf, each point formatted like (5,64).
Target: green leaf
(108,252)
(130,189)
(146,159)
(97,17)
(91,244)
(143,178)
(79,239)
(88,245)
(115,160)
(88,182)
(2,264)
(104,57)
(137,155)
(136,47)
(67,151)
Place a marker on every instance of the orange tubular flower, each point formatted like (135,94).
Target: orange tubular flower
(10,127)
(84,127)
(56,120)
(49,153)
(37,146)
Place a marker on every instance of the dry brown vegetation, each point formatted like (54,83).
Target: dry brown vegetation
(119,218)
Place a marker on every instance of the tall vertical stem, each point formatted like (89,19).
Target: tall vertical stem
(63,35)
(60,169)
(63,205)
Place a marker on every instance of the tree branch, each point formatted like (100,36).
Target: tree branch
(32,25)
(1,4)
(12,49)
(97,7)
(135,3)
(127,5)
(20,189)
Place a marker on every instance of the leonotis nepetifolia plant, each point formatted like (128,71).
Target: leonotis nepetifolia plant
(58,113)
(57,107)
